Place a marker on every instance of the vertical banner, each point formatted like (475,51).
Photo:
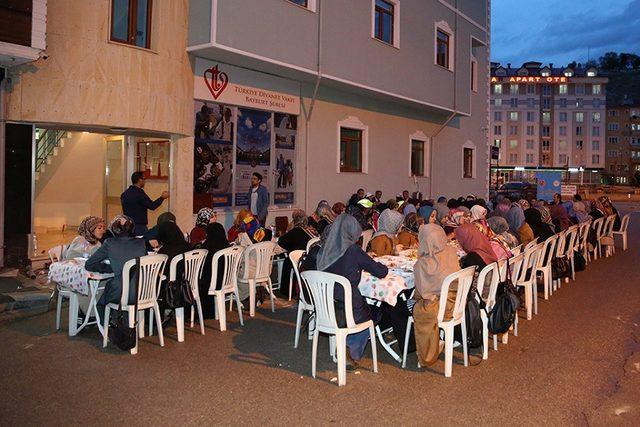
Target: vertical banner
(213,155)
(548,184)
(286,126)
(253,150)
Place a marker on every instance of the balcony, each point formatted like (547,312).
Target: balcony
(22,31)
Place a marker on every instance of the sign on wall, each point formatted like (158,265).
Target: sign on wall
(548,184)
(285,143)
(253,151)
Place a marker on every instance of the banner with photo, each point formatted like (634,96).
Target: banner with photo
(285,130)
(253,150)
(213,155)
(549,183)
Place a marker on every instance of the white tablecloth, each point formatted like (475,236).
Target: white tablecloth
(71,274)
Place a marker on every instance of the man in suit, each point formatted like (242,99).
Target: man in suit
(135,203)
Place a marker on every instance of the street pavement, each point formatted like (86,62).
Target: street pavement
(576,363)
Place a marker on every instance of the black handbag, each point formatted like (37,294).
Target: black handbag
(560,267)
(505,308)
(178,293)
(579,262)
(120,334)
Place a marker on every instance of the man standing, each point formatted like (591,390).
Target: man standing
(258,198)
(135,203)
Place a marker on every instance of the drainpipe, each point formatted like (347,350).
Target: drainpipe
(309,113)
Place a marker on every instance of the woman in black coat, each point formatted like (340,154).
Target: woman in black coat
(295,239)
(215,241)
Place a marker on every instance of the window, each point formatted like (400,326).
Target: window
(579,89)
(514,102)
(417,157)
(546,103)
(635,127)
(546,72)
(513,144)
(513,89)
(131,22)
(562,144)
(596,89)
(530,130)
(613,140)
(563,117)
(530,102)
(546,130)
(596,103)
(350,150)
(591,73)
(529,144)
(613,126)
(443,48)
(546,90)
(474,74)
(595,117)
(615,153)
(467,162)
(303,3)
(546,145)
(563,102)
(497,143)
(579,144)
(579,102)
(531,116)
(546,117)
(595,131)
(595,159)
(497,130)
(562,159)
(529,158)
(513,130)
(578,130)
(497,116)
(568,73)
(579,117)
(383,21)
(563,89)
(513,115)
(531,89)
(497,89)
(563,131)
(595,145)
(614,113)
(513,157)
(498,102)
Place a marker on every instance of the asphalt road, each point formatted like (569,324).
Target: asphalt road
(576,363)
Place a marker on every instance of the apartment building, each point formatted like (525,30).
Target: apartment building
(623,143)
(546,117)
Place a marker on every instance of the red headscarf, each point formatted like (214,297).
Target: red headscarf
(560,216)
(472,240)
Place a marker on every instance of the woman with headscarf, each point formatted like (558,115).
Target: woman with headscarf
(215,241)
(341,254)
(517,224)
(338,208)
(436,260)
(384,241)
(476,245)
(118,250)
(568,205)
(151,236)
(410,207)
(454,220)
(609,210)
(561,220)
(203,219)
(500,229)
(408,235)
(540,230)
(321,217)
(296,238)
(429,214)
(172,242)
(479,218)
(87,242)
(524,204)
(580,211)
(247,228)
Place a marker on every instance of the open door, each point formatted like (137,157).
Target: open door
(114,178)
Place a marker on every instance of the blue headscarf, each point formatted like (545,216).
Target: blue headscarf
(515,217)
(425,212)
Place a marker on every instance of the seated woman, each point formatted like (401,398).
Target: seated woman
(296,238)
(428,213)
(199,232)
(384,241)
(340,254)
(436,260)
(151,236)
(500,229)
(476,245)
(118,250)
(560,218)
(609,210)
(580,210)
(322,217)
(90,233)
(479,218)
(215,241)
(408,237)
(540,230)
(455,219)
(172,243)
(338,208)
(517,224)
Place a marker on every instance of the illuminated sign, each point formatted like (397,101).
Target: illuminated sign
(526,79)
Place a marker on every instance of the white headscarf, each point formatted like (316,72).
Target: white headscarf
(389,223)
(478,212)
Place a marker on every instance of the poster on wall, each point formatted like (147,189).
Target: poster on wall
(213,155)
(285,142)
(548,184)
(253,150)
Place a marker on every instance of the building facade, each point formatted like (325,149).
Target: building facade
(321,97)
(545,117)
(623,144)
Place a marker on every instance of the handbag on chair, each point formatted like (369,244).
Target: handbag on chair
(120,333)
(506,305)
(560,267)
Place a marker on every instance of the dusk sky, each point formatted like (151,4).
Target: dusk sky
(562,31)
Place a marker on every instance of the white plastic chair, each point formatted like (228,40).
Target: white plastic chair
(232,257)
(149,277)
(624,224)
(464,278)
(261,275)
(515,265)
(303,303)
(597,226)
(527,278)
(367,235)
(544,264)
(193,263)
(584,240)
(55,255)
(607,232)
(572,244)
(516,251)
(312,242)
(530,244)
(488,276)
(321,285)
(560,251)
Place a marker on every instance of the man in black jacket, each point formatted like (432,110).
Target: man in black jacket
(135,203)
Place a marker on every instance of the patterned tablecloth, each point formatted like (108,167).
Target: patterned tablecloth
(400,277)
(71,274)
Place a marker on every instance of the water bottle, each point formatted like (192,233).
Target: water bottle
(273,231)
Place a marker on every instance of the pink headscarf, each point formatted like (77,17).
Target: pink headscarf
(472,240)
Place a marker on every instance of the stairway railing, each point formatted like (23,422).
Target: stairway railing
(47,142)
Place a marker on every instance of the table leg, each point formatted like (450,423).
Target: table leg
(179,323)
(73,314)
(93,306)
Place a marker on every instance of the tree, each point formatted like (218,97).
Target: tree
(610,61)
(591,63)
(573,65)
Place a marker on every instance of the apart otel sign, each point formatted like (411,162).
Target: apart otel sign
(530,79)
(214,84)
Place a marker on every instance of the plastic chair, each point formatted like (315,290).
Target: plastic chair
(193,263)
(304,302)
(515,265)
(527,278)
(607,232)
(623,231)
(294,261)
(584,240)
(530,244)
(544,264)
(597,226)
(321,285)
(560,251)
(232,257)
(149,277)
(465,279)
(261,275)
(488,276)
(367,235)
(55,255)
(515,251)
(571,240)
(312,242)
